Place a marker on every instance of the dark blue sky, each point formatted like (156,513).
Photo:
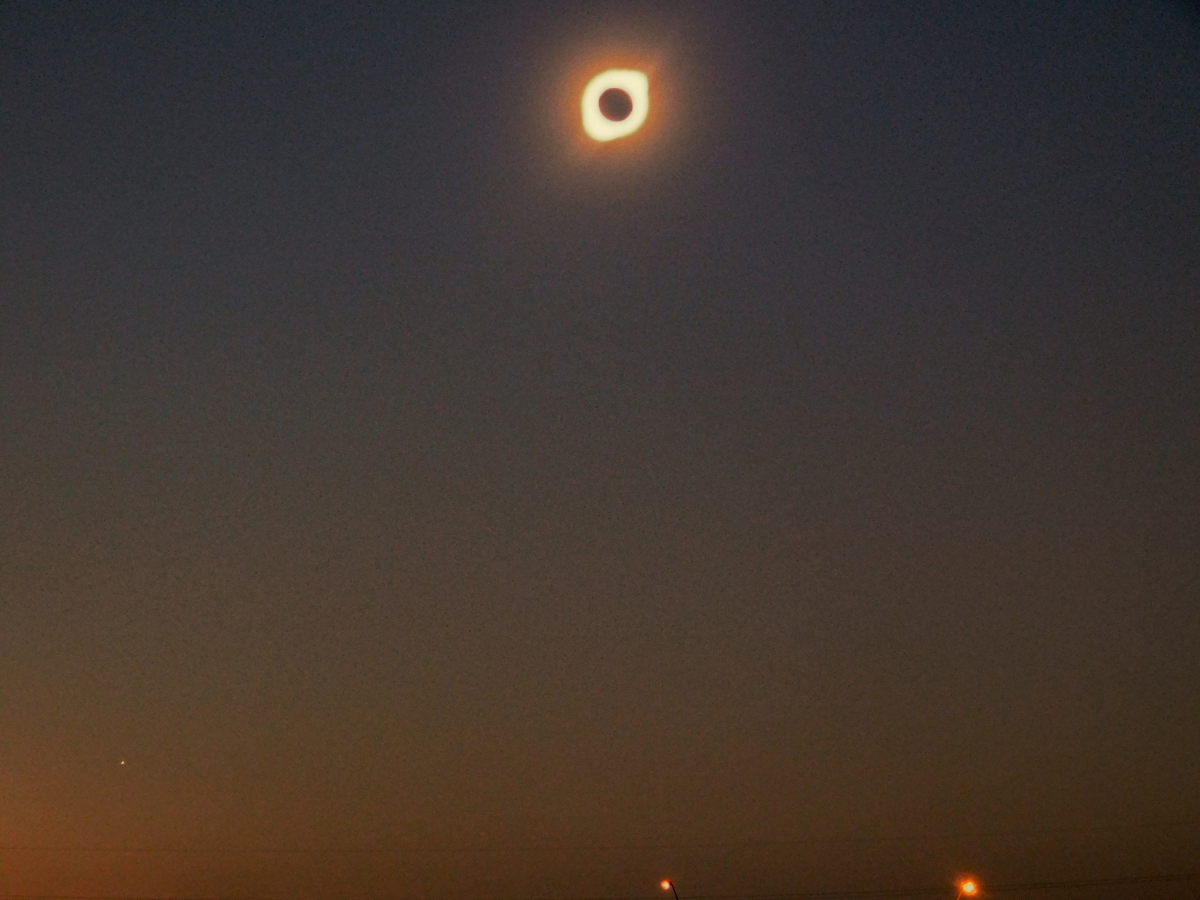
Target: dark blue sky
(804,496)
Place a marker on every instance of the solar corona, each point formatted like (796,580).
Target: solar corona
(615,104)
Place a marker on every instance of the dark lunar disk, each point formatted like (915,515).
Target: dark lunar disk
(615,104)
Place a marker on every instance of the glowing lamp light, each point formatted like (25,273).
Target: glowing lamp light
(615,104)
(968,888)
(665,885)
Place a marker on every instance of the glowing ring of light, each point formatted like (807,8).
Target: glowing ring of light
(635,84)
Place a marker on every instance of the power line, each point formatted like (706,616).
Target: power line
(1101,882)
(932,839)
(804,895)
(1017,887)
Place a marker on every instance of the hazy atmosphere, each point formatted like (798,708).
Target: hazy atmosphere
(406,496)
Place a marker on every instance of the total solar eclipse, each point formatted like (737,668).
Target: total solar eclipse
(615,104)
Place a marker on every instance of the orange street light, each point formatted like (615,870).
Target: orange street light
(968,887)
(668,885)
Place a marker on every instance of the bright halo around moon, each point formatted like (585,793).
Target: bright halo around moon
(615,104)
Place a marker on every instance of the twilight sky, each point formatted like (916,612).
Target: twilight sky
(401,498)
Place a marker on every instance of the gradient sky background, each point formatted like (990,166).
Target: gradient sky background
(805,496)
